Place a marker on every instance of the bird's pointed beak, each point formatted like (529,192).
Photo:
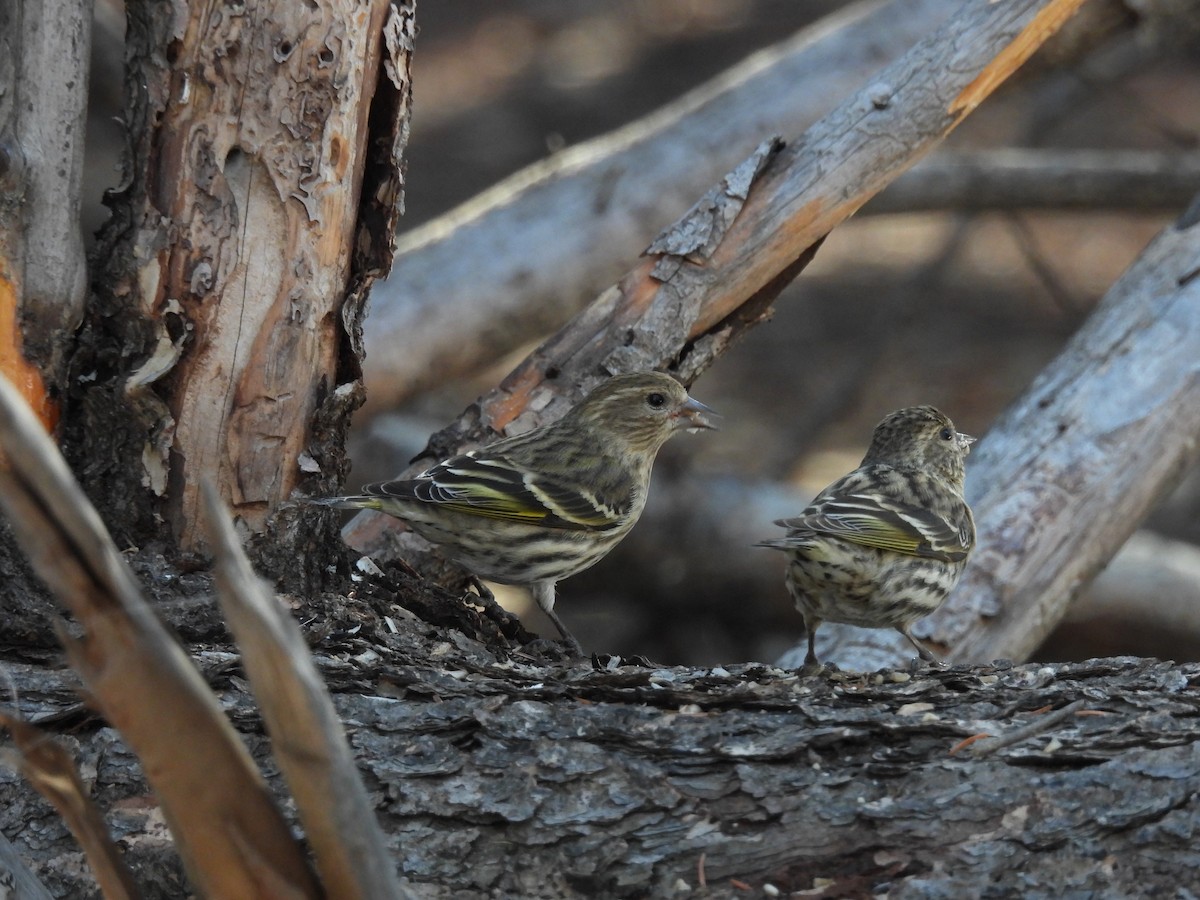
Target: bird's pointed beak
(694,416)
(965,441)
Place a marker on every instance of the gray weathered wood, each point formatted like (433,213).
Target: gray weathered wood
(518,260)
(629,781)
(44,58)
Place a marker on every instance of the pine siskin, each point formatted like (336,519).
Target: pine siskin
(883,546)
(542,506)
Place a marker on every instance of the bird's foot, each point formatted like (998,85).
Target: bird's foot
(920,663)
(481,589)
(547,651)
(813,667)
(610,661)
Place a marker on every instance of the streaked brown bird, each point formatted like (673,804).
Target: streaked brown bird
(884,545)
(542,506)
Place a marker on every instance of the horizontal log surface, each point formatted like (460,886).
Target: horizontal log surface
(629,781)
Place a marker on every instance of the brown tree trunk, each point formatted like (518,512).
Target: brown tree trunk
(259,204)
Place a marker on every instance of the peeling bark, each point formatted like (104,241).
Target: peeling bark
(260,201)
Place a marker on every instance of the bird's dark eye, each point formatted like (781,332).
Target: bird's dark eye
(947,434)
(656,400)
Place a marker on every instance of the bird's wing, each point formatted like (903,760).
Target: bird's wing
(492,486)
(876,520)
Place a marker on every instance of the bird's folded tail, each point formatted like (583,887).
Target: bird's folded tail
(794,541)
(776,544)
(357,501)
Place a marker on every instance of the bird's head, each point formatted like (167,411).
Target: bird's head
(921,437)
(643,409)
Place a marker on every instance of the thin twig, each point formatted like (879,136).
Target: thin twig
(1034,728)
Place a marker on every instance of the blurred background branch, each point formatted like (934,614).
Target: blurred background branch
(518,260)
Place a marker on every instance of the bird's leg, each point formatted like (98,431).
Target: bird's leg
(543,595)
(924,652)
(812,665)
(484,592)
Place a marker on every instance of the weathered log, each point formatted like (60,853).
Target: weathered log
(627,781)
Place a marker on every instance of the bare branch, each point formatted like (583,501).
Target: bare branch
(518,260)
(1014,179)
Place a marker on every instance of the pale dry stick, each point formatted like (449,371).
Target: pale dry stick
(232,837)
(1042,723)
(306,734)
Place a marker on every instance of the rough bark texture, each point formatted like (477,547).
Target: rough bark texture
(260,202)
(16,877)
(618,781)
